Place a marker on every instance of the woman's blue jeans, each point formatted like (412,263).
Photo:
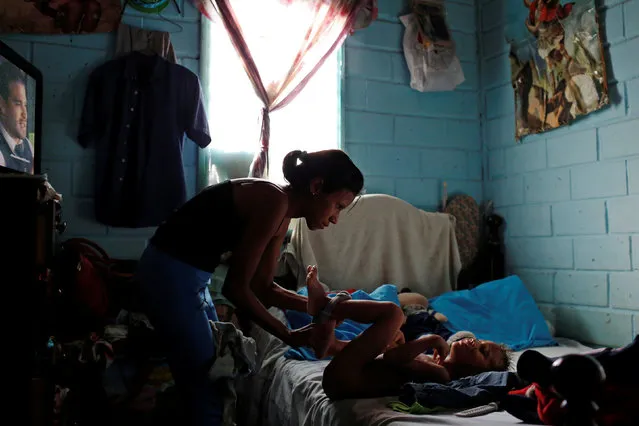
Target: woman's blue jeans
(176,300)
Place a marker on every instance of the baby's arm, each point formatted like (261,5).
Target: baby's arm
(403,354)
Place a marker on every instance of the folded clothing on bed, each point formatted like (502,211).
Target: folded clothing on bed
(502,311)
(348,329)
(467,392)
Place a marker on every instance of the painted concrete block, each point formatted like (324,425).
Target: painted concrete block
(461,17)
(434,132)
(59,142)
(632,93)
(493,42)
(496,71)
(529,221)
(579,217)
(623,60)
(526,157)
(468,187)
(497,163)
(500,132)
(392,99)
(355,93)
(500,101)
(464,105)
(609,253)
(380,34)
(475,168)
(631,18)
(594,326)
(624,290)
(622,214)
(493,14)
(547,186)
(365,127)
(379,185)
(507,192)
(543,253)
(368,64)
(581,288)
(444,164)
(620,139)
(419,192)
(597,180)
(466,45)
(399,67)
(471,76)
(613,23)
(538,283)
(573,148)
(62,64)
(633,176)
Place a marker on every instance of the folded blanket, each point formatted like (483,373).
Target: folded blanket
(348,330)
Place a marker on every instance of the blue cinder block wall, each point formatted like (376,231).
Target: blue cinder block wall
(570,196)
(408,143)
(65,63)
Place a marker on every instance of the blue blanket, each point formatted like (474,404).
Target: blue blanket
(347,330)
(502,311)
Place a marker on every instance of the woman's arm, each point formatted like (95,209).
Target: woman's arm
(243,265)
(269,293)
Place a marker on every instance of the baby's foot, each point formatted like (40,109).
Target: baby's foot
(316,296)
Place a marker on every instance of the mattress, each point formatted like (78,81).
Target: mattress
(289,393)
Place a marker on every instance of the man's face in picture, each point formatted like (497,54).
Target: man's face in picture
(13,111)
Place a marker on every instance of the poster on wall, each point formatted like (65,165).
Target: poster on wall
(558,70)
(59,16)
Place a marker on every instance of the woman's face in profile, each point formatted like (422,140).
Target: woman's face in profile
(326,208)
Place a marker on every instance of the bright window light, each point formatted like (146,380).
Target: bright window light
(310,122)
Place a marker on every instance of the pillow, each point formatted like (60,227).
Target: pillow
(347,330)
(502,311)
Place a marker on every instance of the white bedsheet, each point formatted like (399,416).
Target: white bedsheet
(289,393)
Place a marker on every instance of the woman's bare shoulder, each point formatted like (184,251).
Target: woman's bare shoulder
(253,195)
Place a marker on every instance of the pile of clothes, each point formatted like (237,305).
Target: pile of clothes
(533,402)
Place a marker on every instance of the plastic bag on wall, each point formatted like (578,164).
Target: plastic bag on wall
(429,50)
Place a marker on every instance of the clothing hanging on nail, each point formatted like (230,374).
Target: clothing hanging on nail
(131,39)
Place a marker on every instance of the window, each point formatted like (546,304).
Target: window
(310,122)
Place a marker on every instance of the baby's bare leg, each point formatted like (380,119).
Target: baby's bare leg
(323,334)
(350,373)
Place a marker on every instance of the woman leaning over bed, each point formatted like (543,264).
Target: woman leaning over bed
(248,217)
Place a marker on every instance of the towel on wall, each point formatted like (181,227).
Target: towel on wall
(380,239)
(132,39)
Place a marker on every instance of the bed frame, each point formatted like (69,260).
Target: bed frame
(576,378)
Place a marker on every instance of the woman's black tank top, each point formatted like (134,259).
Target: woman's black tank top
(203,229)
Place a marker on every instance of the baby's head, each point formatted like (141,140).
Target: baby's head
(470,356)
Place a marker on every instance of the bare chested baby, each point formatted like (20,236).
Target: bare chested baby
(378,362)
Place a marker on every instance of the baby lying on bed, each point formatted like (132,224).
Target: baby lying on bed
(378,362)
